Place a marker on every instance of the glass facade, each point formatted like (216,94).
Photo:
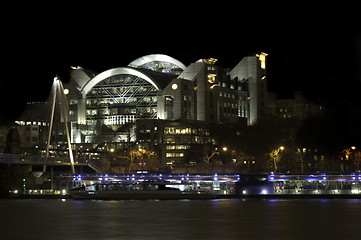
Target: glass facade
(164,67)
(121,99)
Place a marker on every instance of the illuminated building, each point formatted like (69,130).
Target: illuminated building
(158,102)
(252,72)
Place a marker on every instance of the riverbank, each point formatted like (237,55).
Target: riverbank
(250,196)
(292,196)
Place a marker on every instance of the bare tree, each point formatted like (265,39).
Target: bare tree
(209,154)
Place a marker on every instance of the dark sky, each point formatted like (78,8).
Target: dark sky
(317,51)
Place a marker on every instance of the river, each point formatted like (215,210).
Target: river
(180,219)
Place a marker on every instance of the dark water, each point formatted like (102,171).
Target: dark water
(180,219)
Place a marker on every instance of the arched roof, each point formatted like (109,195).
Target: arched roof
(116,71)
(156,57)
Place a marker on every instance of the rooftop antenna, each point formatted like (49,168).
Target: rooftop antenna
(58,93)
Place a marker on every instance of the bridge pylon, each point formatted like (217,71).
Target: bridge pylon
(58,96)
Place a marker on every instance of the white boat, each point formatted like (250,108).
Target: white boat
(144,190)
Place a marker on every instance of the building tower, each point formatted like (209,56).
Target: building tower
(252,70)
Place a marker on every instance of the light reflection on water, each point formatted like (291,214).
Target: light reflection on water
(181,219)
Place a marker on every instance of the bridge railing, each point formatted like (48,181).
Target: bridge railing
(6,158)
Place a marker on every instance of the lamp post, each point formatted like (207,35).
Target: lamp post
(224,149)
(353,162)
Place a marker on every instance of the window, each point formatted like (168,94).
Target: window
(114,111)
(168,107)
(73,102)
(174,155)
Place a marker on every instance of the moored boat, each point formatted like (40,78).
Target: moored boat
(136,190)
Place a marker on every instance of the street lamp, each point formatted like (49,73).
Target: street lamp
(224,149)
(276,157)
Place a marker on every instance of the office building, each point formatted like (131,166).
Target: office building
(157,102)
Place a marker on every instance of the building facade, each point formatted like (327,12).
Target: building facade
(157,101)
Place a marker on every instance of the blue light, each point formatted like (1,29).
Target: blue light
(215,177)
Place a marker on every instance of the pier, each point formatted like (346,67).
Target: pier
(224,186)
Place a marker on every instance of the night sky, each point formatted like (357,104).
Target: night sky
(317,51)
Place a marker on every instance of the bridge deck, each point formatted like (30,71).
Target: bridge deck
(37,160)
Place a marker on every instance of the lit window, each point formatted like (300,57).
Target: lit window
(212,78)
(173,155)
